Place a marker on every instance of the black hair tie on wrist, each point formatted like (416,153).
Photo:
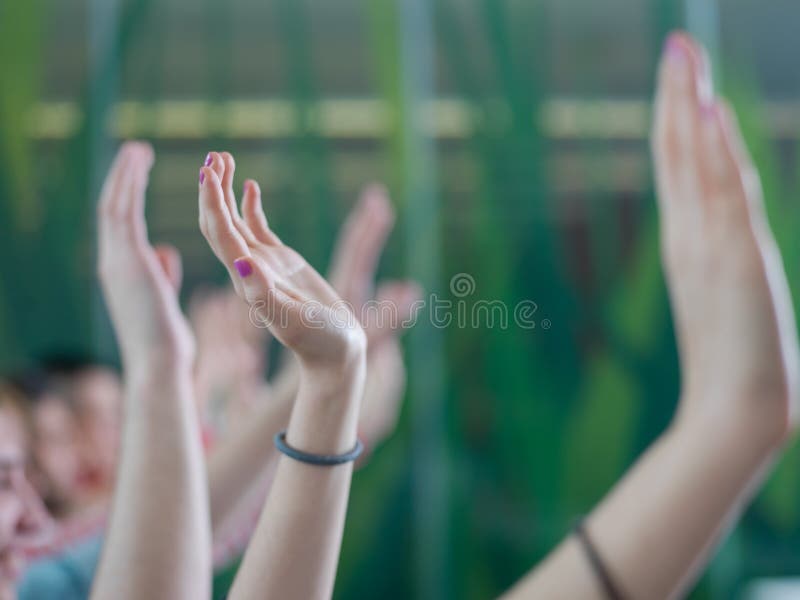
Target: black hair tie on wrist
(598,566)
(322,460)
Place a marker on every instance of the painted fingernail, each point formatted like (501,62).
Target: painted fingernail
(675,50)
(208,161)
(243,267)
(202,176)
(707,111)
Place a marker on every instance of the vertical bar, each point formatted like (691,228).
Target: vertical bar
(103,62)
(426,352)
(702,21)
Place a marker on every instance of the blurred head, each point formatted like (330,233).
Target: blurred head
(21,511)
(75,415)
(96,394)
(56,452)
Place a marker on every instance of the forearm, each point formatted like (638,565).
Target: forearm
(656,529)
(158,541)
(295,549)
(241,459)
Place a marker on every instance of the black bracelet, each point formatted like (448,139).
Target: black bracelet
(323,460)
(598,566)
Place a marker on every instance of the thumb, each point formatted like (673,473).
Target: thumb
(170,260)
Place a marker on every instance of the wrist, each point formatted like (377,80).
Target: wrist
(158,379)
(349,351)
(325,414)
(158,367)
(330,381)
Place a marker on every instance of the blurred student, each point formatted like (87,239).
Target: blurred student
(75,406)
(655,531)
(22,514)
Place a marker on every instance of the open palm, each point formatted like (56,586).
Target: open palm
(139,281)
(302,311)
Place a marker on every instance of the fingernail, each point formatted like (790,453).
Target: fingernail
(202,176)
(243,267)
(707,111)
(208,161)
(675,50)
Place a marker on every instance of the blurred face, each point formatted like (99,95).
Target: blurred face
(56,450)
(98,397)
(21,513)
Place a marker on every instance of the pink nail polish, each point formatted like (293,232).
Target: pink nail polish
(707,111)
(202,176)
(243,267)
(208,161)
(674,49)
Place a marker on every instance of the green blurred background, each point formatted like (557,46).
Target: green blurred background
(513,137)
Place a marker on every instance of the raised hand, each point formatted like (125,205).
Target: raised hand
(166,529)
(304,512)
(654,532)
(230,357)
(735,325)
(140,282)
(383,314)
(355,262)
(302,309)
(384,388)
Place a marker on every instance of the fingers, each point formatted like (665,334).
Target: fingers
(227,181)
(260,290)
(225,167)
(684,86)
(360,245)
(121,208)
(133,214)
(110,192)
(170,260)
(216,221)
(253,213)
(135,198)
(123,189)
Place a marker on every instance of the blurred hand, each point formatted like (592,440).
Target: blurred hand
(735,326)
(230,356)
(352,273)
(384,388)
(303,312)
(140,283)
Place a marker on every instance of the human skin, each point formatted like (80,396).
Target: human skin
(98,398)
(738,352)
(158,542)
(56,453)
(245,456)
(305,510)
(22,515)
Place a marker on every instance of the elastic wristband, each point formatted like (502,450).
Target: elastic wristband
(598,566)
(322,460)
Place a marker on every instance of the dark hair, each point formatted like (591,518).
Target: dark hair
(11,396)
(52,373)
